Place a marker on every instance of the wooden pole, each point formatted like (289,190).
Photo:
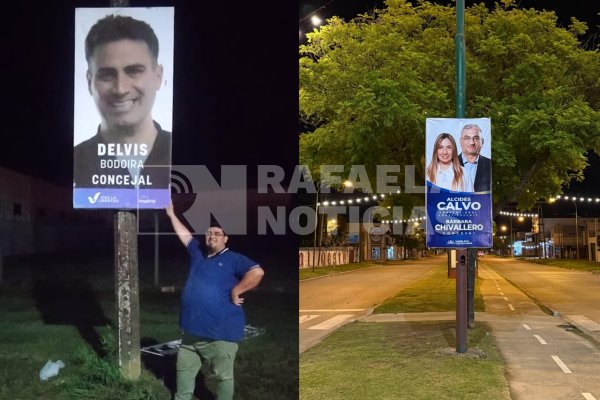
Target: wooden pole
(126,284)
(127,293)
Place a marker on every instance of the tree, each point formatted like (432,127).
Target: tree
(367,85)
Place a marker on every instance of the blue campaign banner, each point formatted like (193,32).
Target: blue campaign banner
(456,219)
(123,199)
(458,192)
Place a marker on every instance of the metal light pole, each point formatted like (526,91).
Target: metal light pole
(576,231)
(465,257)
(316,226)
(321,236)
(512,243)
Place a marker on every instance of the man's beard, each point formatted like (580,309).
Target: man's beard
(124,130)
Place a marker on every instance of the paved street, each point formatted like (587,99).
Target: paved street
(546,358)
(571,293)
(332,301)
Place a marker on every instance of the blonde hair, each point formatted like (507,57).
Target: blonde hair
(457,182)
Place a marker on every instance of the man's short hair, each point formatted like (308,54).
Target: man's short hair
(470,126)
(117,27)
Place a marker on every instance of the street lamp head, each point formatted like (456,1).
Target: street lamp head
(315,20)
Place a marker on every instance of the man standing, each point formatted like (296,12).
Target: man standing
(478,167)
(129,150)
(212,319)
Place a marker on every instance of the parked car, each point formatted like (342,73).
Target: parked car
(480,253)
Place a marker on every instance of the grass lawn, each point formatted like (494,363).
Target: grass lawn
(435,292)
(61,308)
(398,361)
(581,265)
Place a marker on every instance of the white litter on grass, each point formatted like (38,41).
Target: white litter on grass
(52,368)
(163,349)
(171,348)
(252,331)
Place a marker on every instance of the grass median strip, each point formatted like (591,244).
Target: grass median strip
(399,360)
(407,360)
(435,292)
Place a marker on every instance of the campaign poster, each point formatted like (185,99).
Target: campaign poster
(458,175)
(123,107)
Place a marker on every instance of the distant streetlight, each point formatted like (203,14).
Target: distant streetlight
(332,226)
(513,237)
(315,20)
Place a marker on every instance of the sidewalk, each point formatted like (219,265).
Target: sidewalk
(546,358)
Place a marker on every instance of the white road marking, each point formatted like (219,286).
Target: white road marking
(511,307)
(561,365)
(540,339)
(331,322)
(588,396)
(585,322)
(526,327)
(306,318)
(337,310)
(506,298)
(501,293)
(499,289)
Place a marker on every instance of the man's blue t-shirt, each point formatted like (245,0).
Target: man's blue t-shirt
(206,307)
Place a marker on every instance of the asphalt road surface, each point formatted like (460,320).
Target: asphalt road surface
(567,292)
(332,301)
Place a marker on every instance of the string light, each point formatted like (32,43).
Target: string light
(517,214)
(404,221)
(576,198)
(375,197)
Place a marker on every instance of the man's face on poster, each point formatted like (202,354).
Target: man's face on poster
(123,80)
(470,141)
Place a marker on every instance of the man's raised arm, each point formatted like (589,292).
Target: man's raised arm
(180,229)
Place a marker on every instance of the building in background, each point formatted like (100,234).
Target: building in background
(37,217)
